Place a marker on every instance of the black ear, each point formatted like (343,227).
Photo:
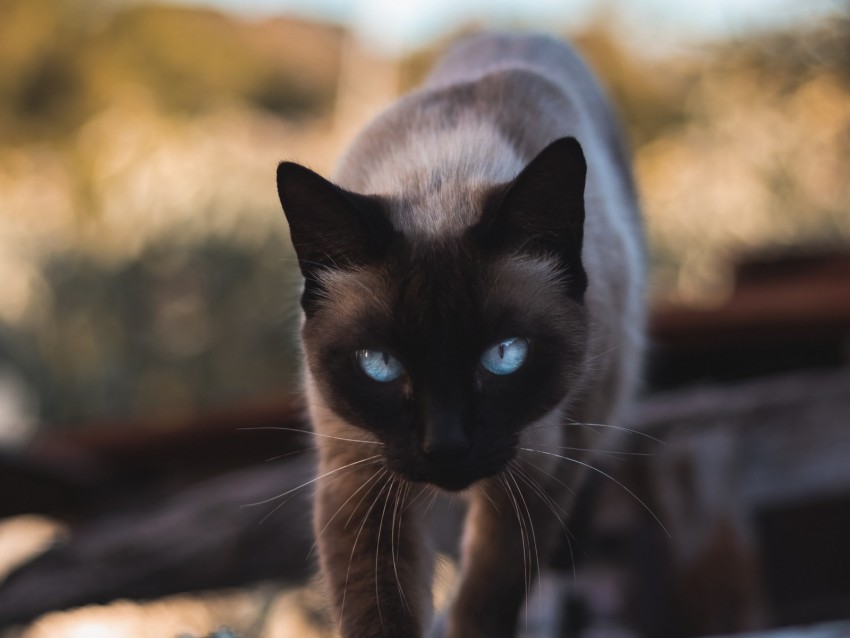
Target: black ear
(542,210)
(330,226)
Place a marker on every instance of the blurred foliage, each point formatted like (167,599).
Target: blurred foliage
(65,60)
(757,163)
(177,327)
(146,269)
(133,286)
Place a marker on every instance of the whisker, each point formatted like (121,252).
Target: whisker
(552,505)
(547,501)
(538,489)
(313,480)
(283,456)
(533,534)
(619,428)
(339,509)
(422,490)
(596,469)
(384,471)
(593,450)
(589,426)
(522,537)
(603,354)
(311,432)
(572,492)
(489,498)
(286,500)
(398,511)
(550,475)
(392,483)
(434,495)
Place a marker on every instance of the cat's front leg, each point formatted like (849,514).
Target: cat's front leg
(509,533)
(370,552)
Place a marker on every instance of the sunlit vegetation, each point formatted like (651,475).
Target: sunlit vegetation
(64,61)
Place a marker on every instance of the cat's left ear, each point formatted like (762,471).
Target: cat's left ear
(542,210)
(330,226)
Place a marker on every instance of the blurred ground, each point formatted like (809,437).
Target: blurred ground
(265,611)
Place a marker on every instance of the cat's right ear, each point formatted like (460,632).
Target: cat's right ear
(542,210)
(330,226)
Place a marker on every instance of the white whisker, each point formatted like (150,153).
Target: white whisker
(551,504)
(570,490)
(422,490)
(589,427)
(294,452)
(340,508)
(286,500)
(398,511)
(530,527)
(310,432)
(522,536)
(593,450)
(434,495)
(313,480)
(392,483)
(384,471)
(619,428)
(489,498)
(596,469)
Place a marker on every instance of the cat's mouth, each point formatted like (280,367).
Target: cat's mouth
(457,476)
(456,482)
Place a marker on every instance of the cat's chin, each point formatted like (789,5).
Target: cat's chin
(453,478)
(453,483)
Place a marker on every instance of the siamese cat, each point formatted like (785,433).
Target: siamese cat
(473,316)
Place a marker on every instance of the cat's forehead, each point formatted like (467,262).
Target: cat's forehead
(437,208)
(441,285)
(434,185)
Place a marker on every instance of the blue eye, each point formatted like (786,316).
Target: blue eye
(506,356)
(379,365)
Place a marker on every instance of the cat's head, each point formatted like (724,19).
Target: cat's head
(444,347)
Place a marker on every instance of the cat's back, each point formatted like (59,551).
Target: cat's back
(489,105)
(522,61)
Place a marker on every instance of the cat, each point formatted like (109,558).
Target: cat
(473,301)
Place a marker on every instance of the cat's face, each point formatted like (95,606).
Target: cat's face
(445,349)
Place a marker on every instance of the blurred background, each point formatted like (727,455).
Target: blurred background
(148,293)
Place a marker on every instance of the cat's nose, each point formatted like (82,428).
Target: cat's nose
(445,442)
(446,452)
